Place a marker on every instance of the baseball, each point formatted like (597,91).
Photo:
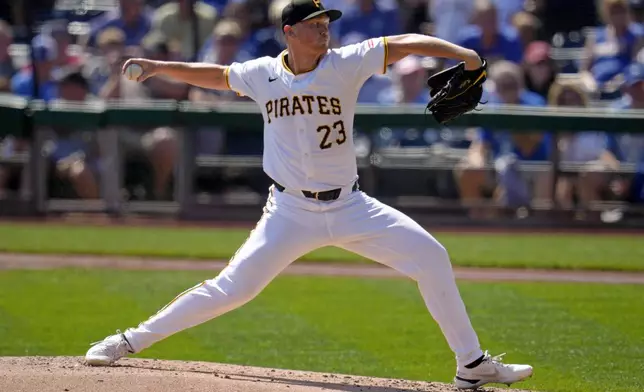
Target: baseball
(133,71)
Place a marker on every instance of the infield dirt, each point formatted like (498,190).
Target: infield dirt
(69,374)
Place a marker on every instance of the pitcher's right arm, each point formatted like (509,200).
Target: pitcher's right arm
(204,75)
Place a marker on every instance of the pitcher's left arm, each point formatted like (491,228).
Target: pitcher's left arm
(401,46)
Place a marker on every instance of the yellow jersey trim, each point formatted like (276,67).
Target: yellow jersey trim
(386,61)
(226,72)
(227,77)
(285,65)
(283,55)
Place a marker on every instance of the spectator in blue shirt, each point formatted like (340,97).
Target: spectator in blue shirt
(610,48)
(257,40)
(408,87)
(219,5)
(74,157)
(365,20)
(631,146)
(227,39)
(502,148)
(488,39)
(45,54)
(590,151)
(341,5)
(449,17)
(506,9)
(103,66)
(133,18)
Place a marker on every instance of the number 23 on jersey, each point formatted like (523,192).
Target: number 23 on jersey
(316,106)
(336,131)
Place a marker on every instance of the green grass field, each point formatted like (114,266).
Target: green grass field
(480,250)
(579,337)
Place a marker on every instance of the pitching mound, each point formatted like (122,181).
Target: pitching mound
(60,374)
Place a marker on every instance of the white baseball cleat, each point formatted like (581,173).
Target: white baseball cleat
(108,350)
(490,370)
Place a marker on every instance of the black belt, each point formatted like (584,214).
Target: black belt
(333,194)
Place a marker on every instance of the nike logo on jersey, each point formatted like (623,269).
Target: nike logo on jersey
(270,80)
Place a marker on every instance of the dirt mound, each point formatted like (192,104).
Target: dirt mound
(60,374)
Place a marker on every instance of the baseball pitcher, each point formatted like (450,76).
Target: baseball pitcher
(307,97)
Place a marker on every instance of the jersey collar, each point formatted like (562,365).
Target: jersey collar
(286,67)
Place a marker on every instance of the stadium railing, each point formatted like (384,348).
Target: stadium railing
(24,119)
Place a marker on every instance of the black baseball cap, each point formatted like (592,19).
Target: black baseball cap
(299,10)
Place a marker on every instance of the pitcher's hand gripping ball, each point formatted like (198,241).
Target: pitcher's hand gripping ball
(455,91)
(133,71)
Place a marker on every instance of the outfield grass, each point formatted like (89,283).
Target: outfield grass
(479,250)
(579,337)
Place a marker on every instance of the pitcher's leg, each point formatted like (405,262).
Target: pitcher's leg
(420,257)
(389,237)
(272,246)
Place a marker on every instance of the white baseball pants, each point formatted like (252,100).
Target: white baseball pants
(293,226)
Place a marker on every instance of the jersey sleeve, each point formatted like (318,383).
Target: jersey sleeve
(241,78)
(364,59)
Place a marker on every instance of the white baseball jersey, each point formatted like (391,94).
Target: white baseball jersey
(308,118)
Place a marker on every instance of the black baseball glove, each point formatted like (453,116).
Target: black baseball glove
(455,91)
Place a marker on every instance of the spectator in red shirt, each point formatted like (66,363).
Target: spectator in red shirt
(539,68)
(7,69)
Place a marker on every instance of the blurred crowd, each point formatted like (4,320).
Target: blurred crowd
(582,53)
